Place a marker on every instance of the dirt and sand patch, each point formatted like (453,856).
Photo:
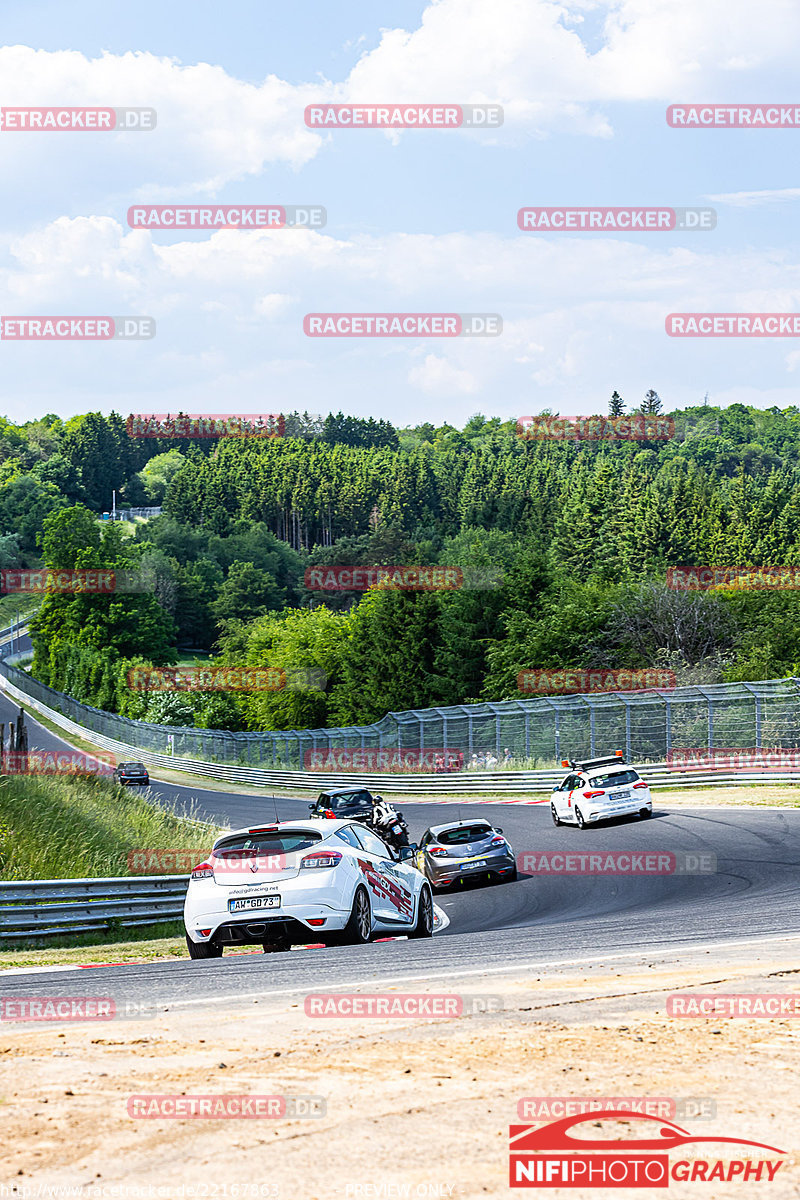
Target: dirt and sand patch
(412,1107)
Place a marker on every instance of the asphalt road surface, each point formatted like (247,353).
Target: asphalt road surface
(539,920)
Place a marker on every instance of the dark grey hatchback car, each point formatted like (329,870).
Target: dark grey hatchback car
(461,850)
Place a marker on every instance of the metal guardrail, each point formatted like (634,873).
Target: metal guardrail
(648,725)
(660,774)
(48,907)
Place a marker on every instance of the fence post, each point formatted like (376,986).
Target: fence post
(628,748)
(668,728)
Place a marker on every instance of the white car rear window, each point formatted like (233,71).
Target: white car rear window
(614,779)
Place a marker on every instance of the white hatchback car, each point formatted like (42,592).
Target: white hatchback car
(299,881)
(598,789)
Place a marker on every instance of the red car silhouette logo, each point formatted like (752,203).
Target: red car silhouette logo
(556,1136)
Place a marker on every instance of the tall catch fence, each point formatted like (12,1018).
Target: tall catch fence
(647,725)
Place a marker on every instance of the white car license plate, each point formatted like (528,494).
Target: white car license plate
(472,865)
(249,902)
(625,794)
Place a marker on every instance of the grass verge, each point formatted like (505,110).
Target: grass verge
(57,828)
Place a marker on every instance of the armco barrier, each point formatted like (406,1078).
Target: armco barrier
(47,907)
(647,725)
(659,774)
(460,783)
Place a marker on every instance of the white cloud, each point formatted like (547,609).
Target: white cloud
(755,199)
(214,129)
(438,377)
(582,316)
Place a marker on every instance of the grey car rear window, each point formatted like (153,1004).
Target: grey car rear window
(463,834)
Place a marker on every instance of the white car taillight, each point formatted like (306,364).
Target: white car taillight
(203,870)
(641,783)
(323,859)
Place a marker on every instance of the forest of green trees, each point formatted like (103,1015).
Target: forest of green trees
(578,535)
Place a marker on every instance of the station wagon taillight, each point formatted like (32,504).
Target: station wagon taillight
(641,783)
(591,795)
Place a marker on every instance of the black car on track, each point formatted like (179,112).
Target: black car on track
(345,804)
(132,774)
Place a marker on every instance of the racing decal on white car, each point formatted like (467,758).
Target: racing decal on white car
(387,889)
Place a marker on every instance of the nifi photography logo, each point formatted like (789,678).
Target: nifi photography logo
(552,1155)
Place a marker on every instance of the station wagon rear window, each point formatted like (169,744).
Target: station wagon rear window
(614,779)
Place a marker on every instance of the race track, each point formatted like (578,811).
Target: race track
(754,894)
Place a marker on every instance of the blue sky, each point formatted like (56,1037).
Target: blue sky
(417,221)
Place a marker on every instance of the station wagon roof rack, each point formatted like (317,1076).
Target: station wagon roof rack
(586,764)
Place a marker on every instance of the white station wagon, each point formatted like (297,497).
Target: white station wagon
(598,789)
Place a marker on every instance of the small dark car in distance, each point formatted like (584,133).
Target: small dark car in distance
(132,774)
(345,804)
(459,850)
